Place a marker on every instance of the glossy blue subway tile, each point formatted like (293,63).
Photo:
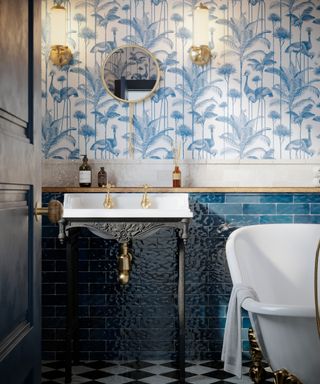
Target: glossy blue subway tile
(307,198)
(276,198)
(158,322)
(86,299)
(47,310)
(246,322)
(290,209)
(307,219)
(92,345)
(50,231)
(241,220)
(92,322)
(207,197)
(245,346)
(315,209)
(146,309)
(251,209)
(217,209)
(218,300)
(242,198)
(54,300)
(48,265)
(217,322)
(53,277)
(276,219)
(48,242)
(48,289)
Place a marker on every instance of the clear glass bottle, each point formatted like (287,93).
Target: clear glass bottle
(102,177)
(85,173)
(176,177)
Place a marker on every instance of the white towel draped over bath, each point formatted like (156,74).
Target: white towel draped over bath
(232,348)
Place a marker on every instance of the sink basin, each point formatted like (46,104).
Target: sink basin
(126,205)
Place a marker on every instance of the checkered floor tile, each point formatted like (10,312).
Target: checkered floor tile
(147,372)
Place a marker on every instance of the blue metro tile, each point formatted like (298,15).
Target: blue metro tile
(276,198)
(298,209)
(217,209)
(315,209)
(251,209)
(307,219)
(242,198)
(242,220)
(246,322)
(208,197)
(276,219)
(307,198)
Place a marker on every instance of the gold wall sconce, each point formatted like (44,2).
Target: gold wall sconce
(200,52)
(60,53)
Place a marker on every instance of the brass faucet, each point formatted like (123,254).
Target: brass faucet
(108,203)
(145,202)
(125,259)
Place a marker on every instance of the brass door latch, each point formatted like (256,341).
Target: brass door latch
(54,211)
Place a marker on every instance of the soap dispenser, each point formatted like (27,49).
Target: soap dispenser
(102,177)
(85,173)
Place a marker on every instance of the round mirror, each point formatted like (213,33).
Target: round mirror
(130,73)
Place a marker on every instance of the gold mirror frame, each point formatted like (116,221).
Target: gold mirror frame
(148,53)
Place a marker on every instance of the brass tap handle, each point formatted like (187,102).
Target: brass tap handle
(54,211)
(108,203)
(145,202)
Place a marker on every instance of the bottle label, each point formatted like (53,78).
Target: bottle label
(176,176)
(84,176)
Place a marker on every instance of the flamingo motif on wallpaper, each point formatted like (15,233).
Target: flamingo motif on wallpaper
(107,145)
(301,47)
(301,145)
(204,145)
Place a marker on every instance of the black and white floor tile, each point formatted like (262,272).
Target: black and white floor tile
(144,372)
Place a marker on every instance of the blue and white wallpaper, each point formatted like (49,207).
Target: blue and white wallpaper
(257,99)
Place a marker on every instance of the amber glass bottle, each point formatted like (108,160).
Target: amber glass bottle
(176,177)
(102,177)
(85,173)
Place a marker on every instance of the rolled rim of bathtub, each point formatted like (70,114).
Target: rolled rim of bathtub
(316,299)
(277,310)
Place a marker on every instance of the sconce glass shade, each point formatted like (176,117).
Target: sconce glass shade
(199,52)
(60,54)
(201,25)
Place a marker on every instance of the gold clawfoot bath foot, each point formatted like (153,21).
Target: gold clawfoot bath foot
(282,376)
(257,373)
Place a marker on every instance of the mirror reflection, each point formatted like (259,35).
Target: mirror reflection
(131,73)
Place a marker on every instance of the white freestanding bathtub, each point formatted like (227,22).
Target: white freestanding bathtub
(277,261)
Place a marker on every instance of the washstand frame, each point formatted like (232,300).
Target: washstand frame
(124,231)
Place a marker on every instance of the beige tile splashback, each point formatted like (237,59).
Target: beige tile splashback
(158,173)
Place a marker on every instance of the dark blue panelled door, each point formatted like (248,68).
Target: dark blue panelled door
(20,187)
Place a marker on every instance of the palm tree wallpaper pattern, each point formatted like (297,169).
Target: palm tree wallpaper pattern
(257,99)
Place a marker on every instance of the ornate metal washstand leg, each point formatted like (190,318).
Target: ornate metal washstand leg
(181,311)
(182,240)
(72,325)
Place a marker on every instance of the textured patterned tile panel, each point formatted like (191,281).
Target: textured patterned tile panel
(140,320)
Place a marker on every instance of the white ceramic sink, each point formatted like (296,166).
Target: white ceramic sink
(126,205)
